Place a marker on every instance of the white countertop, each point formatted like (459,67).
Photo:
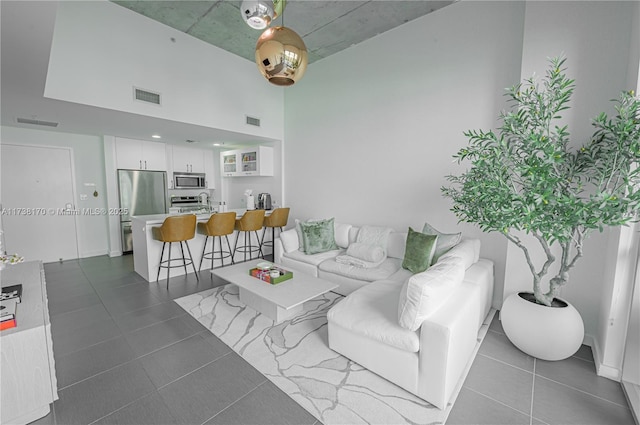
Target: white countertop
(159,218)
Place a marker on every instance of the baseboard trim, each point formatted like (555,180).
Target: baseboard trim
(602,369)
(116,253)
(632,392)
(94,253)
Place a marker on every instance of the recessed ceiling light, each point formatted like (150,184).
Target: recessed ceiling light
(217,144)
(156,136)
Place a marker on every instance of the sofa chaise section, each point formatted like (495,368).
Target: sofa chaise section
(428,362)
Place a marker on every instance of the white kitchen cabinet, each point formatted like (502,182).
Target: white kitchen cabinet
(209,169)
(256,161)
(191,160)
(229,163)
(140,155)
(188,160)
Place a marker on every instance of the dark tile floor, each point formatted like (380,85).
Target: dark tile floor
(125,353)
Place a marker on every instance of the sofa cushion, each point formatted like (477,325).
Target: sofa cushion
(318,236)
(370,312)
(388,267)
(424,293)
(446,241)
(315,259)
(419,251)
(468,250)
(290,241)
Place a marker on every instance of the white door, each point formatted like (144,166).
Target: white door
(38,212)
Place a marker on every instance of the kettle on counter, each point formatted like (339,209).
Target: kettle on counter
(264,201)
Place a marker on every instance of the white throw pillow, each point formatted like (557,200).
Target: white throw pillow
(289,240)
(342,234)
(424,293)
(468,250)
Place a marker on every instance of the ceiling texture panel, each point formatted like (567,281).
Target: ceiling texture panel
(326,27)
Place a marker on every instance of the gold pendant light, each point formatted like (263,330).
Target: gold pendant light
(281,56)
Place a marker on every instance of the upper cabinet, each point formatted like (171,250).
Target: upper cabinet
(189,160)
(256,161)
(229,163)
(140,155)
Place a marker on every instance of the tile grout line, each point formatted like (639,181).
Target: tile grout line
(235,402)
(194,371)
(138,357)
(583,392)
(504,362)
(533,391)
(496,401)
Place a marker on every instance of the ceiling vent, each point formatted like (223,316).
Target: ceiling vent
(253,121)
(37,122)
(191,141)
(146,96)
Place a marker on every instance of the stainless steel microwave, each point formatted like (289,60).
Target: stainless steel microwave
(189,181)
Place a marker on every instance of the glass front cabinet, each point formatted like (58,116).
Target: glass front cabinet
(255,161)
(229,162)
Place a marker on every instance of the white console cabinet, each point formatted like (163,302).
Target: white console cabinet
(28,374)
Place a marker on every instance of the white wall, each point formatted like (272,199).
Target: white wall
(596,39)
(88,163)
(101,50)
(370,131)
(631,367)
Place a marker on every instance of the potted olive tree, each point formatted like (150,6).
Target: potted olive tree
(527,178)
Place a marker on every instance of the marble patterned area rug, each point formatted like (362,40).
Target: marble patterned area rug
(296,357)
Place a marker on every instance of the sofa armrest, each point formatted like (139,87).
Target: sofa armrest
(278,251)
(447,341)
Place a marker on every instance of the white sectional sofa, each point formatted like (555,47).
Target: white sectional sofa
(365,327)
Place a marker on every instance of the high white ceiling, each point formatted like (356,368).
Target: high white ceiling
(27,30)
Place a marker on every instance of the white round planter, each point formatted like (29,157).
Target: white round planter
(547,333)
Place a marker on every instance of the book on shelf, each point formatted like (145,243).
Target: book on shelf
(8,309)
(8,324)
(11,292)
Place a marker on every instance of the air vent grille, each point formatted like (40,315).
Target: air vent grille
(253,121)
(147,96)
(36,122)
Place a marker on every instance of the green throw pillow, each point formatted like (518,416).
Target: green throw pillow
(318,236)
(446,241)
(419,251)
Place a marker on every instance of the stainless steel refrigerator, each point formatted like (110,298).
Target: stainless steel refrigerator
(141,193)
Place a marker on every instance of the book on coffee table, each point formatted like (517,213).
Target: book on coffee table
(265,275)
(11,292)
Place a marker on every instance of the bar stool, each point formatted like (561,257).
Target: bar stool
(278,218)
(220,224)
(175,228)
(251,221)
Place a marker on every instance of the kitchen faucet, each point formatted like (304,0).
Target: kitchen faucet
(206,197)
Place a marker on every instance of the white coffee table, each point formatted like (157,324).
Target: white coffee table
(278,302)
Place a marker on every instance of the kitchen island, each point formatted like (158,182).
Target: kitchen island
(146,250)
